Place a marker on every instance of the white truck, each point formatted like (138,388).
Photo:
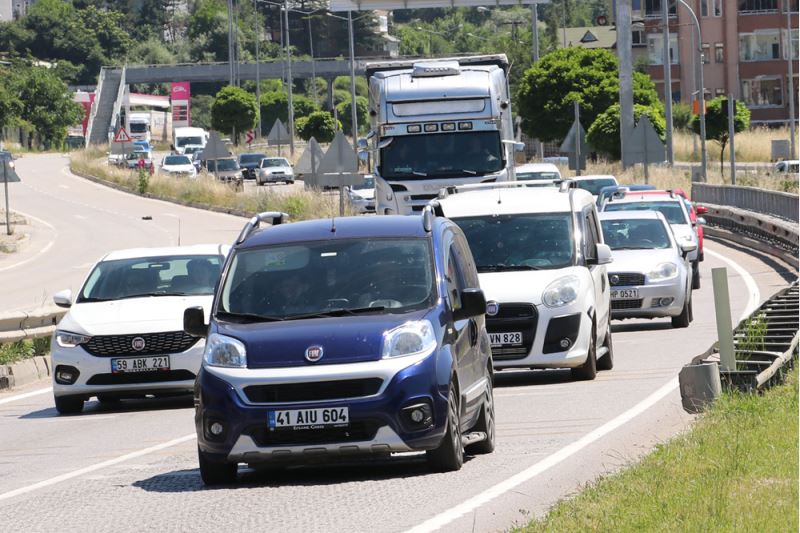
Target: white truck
(193,138)
(139,126)
(437,123)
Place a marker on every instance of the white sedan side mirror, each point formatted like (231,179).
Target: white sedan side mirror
(63,298)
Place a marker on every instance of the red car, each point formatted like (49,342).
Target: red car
(694,213)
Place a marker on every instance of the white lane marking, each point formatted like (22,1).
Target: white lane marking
(752,288)
(26,395)
(95,467)
(40,252)
(571,449)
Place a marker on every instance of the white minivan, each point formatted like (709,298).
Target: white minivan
(542,262)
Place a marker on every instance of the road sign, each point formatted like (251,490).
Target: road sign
(122,136)
(215,148)
(308,164)
(339,167)
(8,173)
(278,135)
(568,146)
(250,137)
(645,145)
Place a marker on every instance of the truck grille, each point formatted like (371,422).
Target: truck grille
(624,279)
(314,391)
(163,343)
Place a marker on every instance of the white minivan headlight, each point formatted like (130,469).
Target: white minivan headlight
(222,350)
(67,339)
(411,338)
(663,271)
(562,291)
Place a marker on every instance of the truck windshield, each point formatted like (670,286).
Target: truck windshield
(330,278)
(519,242)
(442,155)
(138,127)
(183,141)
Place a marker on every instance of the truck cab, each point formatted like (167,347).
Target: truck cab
(437,123)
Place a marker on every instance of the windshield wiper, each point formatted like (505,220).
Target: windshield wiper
(146,294)
(252,317)
(506,268)
(82,300)
(339,311)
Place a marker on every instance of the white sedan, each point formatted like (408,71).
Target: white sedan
(651,275)
(178,165)
(274,170)
(362,195)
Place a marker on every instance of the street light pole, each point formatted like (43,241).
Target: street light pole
(313,67)
(535,21)
(289,80)
(353,114)
(700,90)
(667,80)
(792,142)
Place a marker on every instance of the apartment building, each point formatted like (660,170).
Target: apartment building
(745,46)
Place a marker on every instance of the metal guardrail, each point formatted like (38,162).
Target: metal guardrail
(780,204)
(41,322)
(765,343)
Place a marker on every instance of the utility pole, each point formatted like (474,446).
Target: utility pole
(792,142)
(258,69)
(535,23)
(577,138)
(353,114)
(731,131)
(625,77)
(667,80)
(230,42)
(289,80)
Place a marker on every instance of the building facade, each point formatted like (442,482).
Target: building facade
(745,50)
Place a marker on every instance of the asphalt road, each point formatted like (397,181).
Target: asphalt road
(135,468)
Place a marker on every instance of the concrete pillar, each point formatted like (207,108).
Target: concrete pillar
(329,81)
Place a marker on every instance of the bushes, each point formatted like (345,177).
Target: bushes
(345,114)
(320,125)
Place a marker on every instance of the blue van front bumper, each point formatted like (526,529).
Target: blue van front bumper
(233,409)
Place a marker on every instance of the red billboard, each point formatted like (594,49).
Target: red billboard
(180,98)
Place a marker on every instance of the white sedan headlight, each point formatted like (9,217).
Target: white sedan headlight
(67,339)
(411,338)
(663,271)
(562,291)
(222,350)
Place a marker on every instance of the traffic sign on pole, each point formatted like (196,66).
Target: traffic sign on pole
(575,154)
(278,135)
(215,149)
(645,146)
(122,136)
(339,167)
(308,164)
(250,137)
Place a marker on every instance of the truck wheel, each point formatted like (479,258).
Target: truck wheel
(215,473)
(449,456)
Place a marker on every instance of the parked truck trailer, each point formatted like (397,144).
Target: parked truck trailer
(436,123)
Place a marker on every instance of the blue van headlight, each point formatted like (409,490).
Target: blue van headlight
(412,338)
(222,350)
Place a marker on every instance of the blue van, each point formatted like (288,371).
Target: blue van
(344,337)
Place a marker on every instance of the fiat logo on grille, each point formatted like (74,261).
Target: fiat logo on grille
(614,279)
(492,308)
(314,353)
(138,344)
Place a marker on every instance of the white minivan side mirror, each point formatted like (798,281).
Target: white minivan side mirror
(604,254)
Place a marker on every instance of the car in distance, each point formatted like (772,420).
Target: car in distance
(791,166)
(673,207)
(132,159)
(249,164)
(274,170)
(651,276)
(123,336)
(546,172)
(178,165)
(594,184)
(362,195)
(226,170)
(542,265)
(339,338)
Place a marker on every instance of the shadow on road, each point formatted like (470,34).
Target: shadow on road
(521,378)
(650,325)
(94,407)
(320,474)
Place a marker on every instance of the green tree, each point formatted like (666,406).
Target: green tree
(201,110)
(47,105)
(275,105)
(548,89)
(717,123)
(10,105)
(681,116)
(343,110)
(234,110)
(603,134)
(320,125)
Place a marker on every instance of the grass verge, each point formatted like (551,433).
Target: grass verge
(205,191)
(25,349)
(736,470)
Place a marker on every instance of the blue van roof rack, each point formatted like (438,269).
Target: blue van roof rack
(273,217)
